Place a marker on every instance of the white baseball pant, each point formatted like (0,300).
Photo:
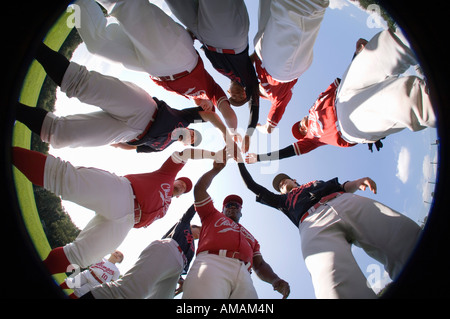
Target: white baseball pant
(126,111)
(154,276)
(328,234)
(217,277)
(287,31)
(109,195)
(223,24)
(146,39)
(373,100)
(82,283)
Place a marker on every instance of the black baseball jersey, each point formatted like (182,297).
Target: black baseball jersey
(159,136)
(239,68)
(295,203)
(182,234)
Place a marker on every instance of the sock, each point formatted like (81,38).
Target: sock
(57,262)
(32,117)
(63,285)
(30,163)
(54,63)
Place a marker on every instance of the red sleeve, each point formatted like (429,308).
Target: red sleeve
(204,208)
(278,93)
(171,166)
(257,250)
(306,145)
(214,92)
(278,107)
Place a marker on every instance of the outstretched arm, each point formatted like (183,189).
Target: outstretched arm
(228,114)
(202,185)
(361,184)
(217,122)
(198,153)
(286,152)
(266,273)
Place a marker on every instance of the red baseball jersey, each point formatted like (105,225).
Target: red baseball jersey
(154,190)
(220,232)
(322,124)
(278,93)
(198,84)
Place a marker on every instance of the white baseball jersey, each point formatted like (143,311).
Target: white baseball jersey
(97,274)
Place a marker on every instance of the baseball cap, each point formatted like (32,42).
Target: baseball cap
(232,198)
(296,131)
(188,183)
(277,179)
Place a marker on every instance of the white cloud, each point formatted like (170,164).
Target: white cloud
(404,158)
(338,4)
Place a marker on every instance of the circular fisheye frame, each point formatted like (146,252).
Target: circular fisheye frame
(425,27)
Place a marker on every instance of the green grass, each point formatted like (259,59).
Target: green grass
(22,137)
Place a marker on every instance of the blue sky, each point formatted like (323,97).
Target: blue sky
(403,169)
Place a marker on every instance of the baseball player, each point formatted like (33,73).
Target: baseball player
(371,102)
(129,116)
(145,39)
(99,273)
(156,272)
(226,250)
(287,31)
(120,202)
(331,219)
(222,27)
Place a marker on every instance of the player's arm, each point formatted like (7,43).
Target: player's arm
(263,195)
(228,113)
(253,122)
(286,152)
(298,148)
(124,146)
(265,272)
(215,120)
(196,153)
(360,184)
(202,185)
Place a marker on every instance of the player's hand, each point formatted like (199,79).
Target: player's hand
(251,158)
(237,138)
(206,105)
(367,182)
(265,129)
(282,287)
(246,144)
(179,289)
(361,184)
(221,156)
(233,151)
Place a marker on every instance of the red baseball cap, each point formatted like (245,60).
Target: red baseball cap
(188,183)
(296,131)
(232,198)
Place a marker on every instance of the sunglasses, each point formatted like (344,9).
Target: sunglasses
(233,204)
